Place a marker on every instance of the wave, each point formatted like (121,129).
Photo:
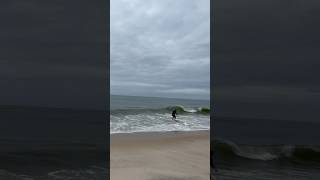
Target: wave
(295,153)
(158,119)
(90,173)
(180,110)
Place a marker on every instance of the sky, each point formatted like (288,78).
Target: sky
(53,54)
(266,61)
(160,48)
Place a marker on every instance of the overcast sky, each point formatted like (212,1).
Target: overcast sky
(53,54)
(160,48)
(267,59)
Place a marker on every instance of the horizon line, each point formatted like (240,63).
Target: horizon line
(160,97)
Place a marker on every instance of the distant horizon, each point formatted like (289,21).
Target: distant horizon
(21,105)
(161,97)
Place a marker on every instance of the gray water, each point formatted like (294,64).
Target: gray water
(41,143)
(265,149)
(153,114)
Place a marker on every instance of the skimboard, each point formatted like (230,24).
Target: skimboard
(178,121)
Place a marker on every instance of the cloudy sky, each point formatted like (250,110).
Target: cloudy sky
(267,59)
(53,54)
(160,48)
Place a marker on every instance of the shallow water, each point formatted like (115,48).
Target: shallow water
(147,114)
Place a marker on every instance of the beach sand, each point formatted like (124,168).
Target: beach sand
(160,156)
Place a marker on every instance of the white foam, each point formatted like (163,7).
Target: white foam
(158,122)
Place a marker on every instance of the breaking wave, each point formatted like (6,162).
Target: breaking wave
(297,153)
(180,109)
(130,120)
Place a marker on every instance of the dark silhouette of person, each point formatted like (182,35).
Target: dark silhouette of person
(174,112)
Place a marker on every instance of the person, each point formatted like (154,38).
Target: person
(174,112)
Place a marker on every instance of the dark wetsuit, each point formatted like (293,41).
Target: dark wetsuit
(174,112)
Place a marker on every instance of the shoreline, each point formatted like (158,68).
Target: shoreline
(160,132)
(160,155)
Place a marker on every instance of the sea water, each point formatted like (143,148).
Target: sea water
(265,149)
(153,114)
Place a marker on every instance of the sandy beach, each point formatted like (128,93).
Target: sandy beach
(160,156)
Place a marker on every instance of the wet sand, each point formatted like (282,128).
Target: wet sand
(160,156)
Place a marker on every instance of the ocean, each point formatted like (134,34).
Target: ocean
(265,149)
(39,143)
(131,114)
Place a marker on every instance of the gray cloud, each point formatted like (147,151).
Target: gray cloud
(160,48)
(267,58)
(53,53)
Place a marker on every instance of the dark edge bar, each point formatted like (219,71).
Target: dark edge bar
(108,83)
(212,45)
(54,84)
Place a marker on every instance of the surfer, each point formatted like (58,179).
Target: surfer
(174,112)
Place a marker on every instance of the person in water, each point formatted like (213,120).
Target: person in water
(174,112)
